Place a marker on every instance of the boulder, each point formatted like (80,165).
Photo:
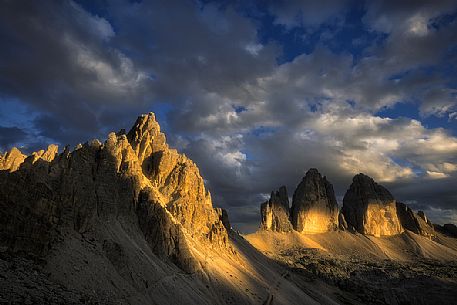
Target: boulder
(275,212)
(314,207)
(370,208)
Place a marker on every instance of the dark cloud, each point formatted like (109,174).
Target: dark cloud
(57,59)
(10,136)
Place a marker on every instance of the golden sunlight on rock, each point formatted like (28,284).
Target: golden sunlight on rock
(316,222)
(12,160)
(314,206)
(369,208)
(381,220)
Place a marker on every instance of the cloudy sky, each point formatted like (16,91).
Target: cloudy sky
(255,92)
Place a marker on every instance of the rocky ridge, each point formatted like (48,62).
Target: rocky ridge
(126,221)
(314,208)
(414,222)
(368,208)
(135,177)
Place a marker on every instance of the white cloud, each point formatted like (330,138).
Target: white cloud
(254,49)
(376,165)
(417,25)
(436,175)
(120,78)
(99,26)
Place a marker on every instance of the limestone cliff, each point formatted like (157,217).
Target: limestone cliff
(314,206)
(275,212)
(370,208)
(133,178)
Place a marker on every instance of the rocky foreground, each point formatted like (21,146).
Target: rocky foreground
(402,269)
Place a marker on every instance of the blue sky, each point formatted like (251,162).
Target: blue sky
(258,90)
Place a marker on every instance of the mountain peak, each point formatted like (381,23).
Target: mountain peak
(12,160)
(275,212)
(135,177)
(314,207)
(362,177)
(370,208)
(312,171)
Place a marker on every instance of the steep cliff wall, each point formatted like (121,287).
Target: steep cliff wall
(314,206)
(370,208)
(275,212)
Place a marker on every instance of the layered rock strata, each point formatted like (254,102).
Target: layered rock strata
(314,207)
(275,212)
(370,208)
(133,178)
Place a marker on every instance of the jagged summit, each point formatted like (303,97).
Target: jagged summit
(370,188)
(12,159)
(133,176)
(314,208)
(275,212)
(145,136)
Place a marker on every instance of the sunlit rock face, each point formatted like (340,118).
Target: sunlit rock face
(134,179)
(417,223)
(176,178)
(275,212)
(11,160)
(314,207)
(342,224)
(370,208)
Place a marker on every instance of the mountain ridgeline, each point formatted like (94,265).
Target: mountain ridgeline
(131,177)
(368,208)
(129,221)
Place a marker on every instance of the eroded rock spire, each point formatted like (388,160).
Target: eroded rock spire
(314,206)
(370,208)
(275,212)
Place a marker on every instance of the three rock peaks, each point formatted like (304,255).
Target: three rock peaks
(368,208)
